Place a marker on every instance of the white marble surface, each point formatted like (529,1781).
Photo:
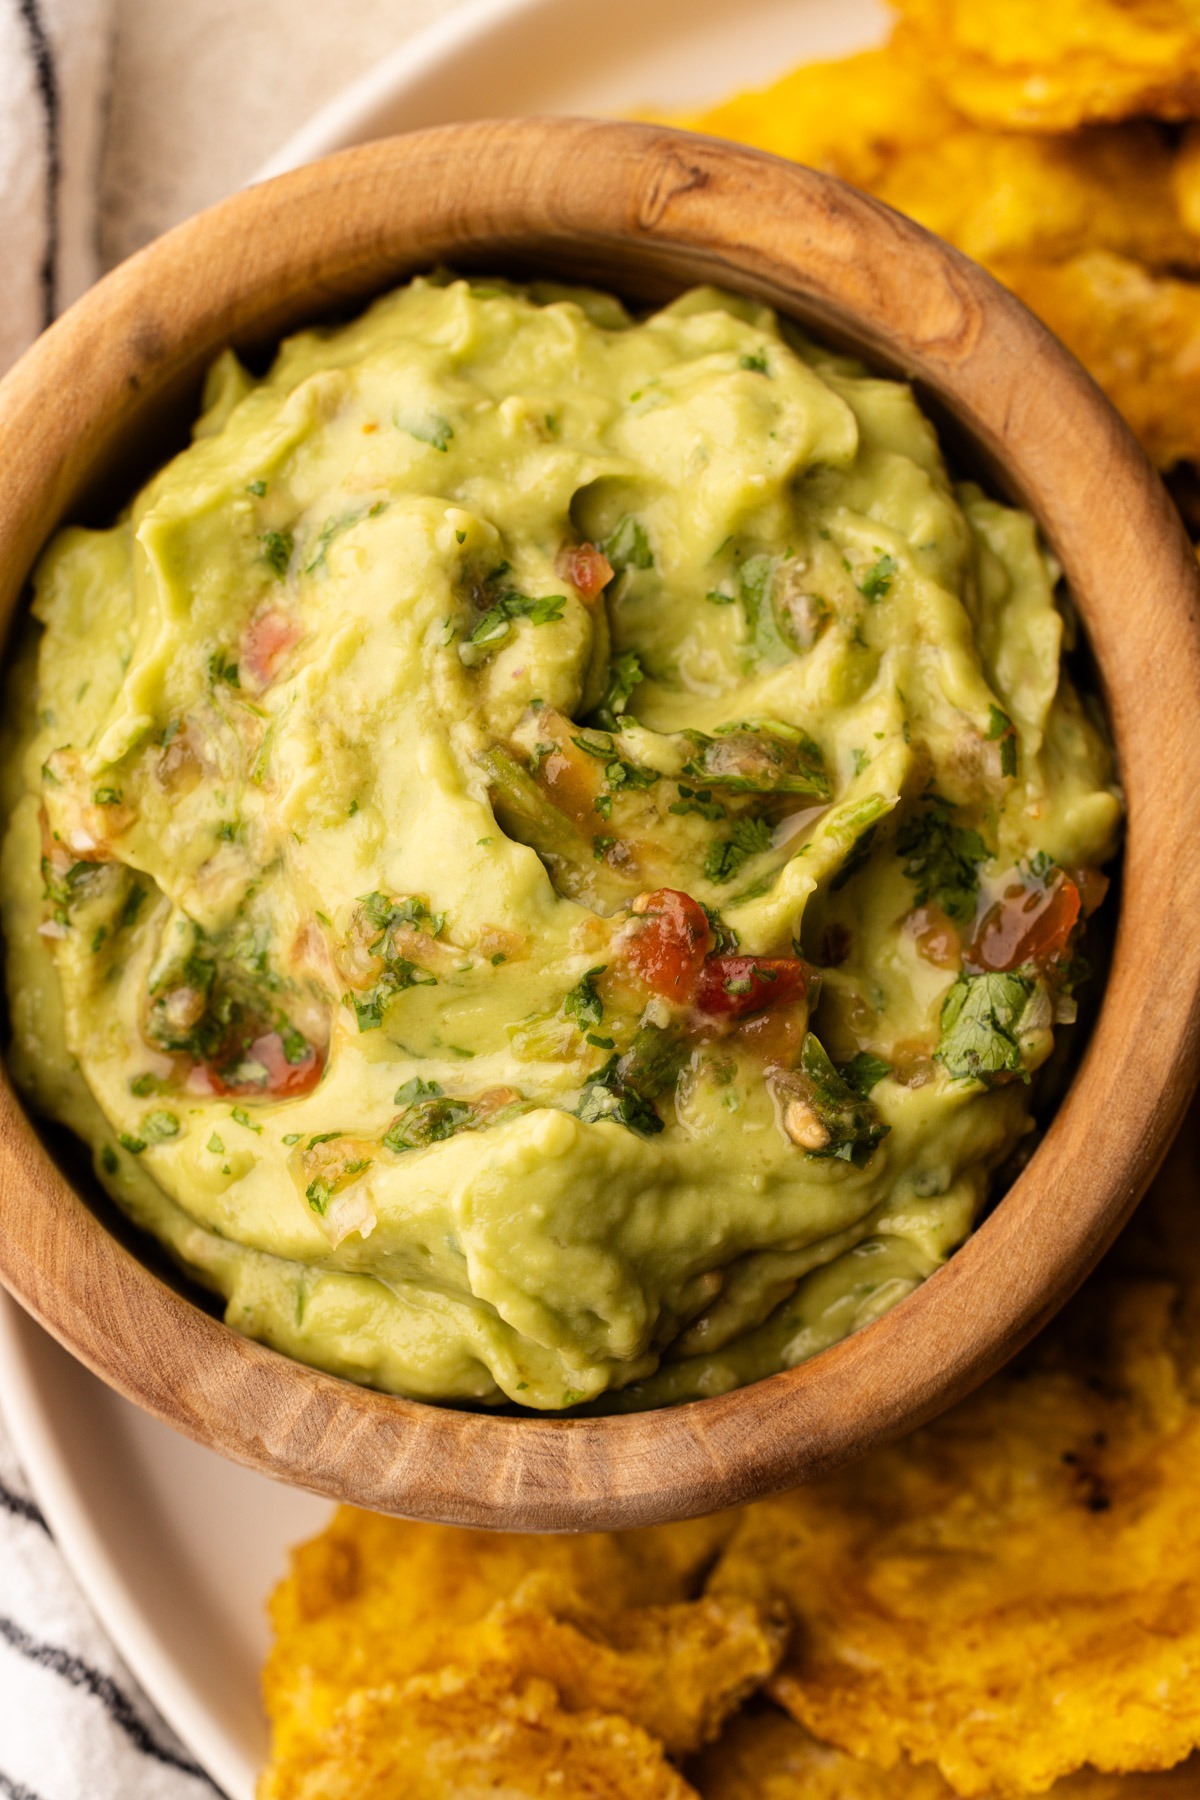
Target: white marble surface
(203,91)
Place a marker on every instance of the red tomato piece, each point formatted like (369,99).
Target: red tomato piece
(667,942)
(1093,884)
(586,568)
(285,1080)
(265,642)
(733,987)
(1028,925)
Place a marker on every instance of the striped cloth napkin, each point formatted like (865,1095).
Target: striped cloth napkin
(73,1725)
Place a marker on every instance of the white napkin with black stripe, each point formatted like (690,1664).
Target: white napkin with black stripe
(73,1725)
(54,58)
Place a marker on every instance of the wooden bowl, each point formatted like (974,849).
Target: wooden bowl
(645,211)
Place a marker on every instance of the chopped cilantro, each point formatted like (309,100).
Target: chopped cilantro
(215,1145)
(755,363)
(497,621)
(1000,726)
(601,1043)
(726,857)
(257,488)
(416,1089)
(943,859)
(319,1193)
(240,1116)
(606,1097)
(601,847)
(696,800)
(980,1027)
(277,551)
(295,1044)
(624,675)
(430,1122)
(333,528)
(628,546)
(878,578)
(108,1160)
(434,431)
(718,598)
(864,1072)
(853,1124)
(107,796)
(219,669)
(291,1137)
(134,1145)
(397,976)
(725,938)
(583,1004)
(142,1085)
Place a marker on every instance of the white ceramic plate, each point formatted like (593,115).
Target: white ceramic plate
(176,1548)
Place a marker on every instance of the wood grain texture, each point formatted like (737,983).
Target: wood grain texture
(646,211)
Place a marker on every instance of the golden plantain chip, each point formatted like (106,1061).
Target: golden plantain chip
(1014,1591)
(882,126)
(764,1755)
(609,1617)
(464,1735)
(1137,333)
(850,118)
(998,195)
(678,1670)
(1037,67)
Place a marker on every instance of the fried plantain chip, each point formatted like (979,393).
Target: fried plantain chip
(850,118)
(1014,1591)
(1030,66)
(764,1755)
(678,1670)
(1137,333)
(462,1735)
(610,1616)
(1001,196)
(883,126)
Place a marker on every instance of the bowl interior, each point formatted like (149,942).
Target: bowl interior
(644,212)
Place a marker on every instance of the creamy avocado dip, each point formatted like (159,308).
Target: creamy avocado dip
(546,846)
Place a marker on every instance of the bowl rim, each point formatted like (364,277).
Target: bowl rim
(647,211)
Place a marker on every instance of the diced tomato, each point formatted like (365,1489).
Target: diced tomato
(667,942)
(586,568)
(1028,925)
(733,987)
(285,1080)
(265,642)
(1092,885)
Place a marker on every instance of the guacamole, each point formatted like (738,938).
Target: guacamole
(546,846)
